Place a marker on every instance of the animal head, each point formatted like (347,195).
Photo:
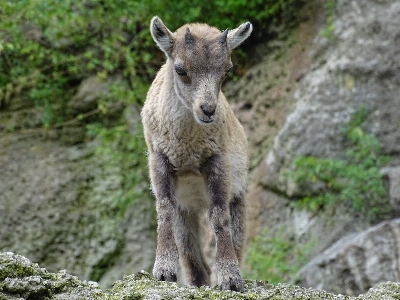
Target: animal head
(201,58)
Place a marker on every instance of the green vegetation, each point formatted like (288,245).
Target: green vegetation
(46,285)
(329,6)
(128,151)
(275,258)
(50,46)
(47,48)
(355,179)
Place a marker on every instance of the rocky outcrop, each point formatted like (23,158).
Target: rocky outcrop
(392,178)
(22,279)
(57,200)
(357,66)
(57,192)
(263,97)
(357,262)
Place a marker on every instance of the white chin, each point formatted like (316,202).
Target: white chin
(204,120)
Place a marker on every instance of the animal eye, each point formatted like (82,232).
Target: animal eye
(180,71)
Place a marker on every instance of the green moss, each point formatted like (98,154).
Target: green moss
(329,6)
(143,286)
(355,180)
(127,151)
(16,266)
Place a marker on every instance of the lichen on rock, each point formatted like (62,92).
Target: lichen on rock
(22,279)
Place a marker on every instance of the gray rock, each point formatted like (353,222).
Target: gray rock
(392,174)
(55,199)
(21,279)
(263,97)
(90,91)
(357,262)
(56,208)
(357,67)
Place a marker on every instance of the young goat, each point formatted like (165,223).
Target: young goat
(197,153)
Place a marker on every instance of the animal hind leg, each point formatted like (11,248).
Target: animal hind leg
(187,237)
(237,212)
(226,261)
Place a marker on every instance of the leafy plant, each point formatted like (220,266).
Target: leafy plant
(275,258)
(329,6)
(356,179)
(48,47)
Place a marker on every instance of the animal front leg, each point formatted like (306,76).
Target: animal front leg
(216,171)
(167,259)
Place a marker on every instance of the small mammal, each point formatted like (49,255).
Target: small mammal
(197,152)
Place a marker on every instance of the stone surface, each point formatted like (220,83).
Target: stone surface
(357,262)
(392,175)
(274,212)
(22,279)
(262,100)
(56,194)
(90,92)
(56,207)
(358,66)
(263,97)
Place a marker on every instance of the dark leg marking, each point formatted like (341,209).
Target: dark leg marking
(163,181)
(237,212)
(217,174)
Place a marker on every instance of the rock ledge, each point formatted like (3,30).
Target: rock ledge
(22,279)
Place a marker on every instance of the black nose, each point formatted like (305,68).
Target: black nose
(208,109)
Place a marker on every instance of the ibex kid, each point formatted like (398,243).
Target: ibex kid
(197,153)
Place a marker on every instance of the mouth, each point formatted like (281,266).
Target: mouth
(204,119)
(207,120)
(210,120)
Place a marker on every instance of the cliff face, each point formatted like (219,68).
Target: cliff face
(356,66)
(57,191)
(358,261)
(57,194)
(348,62)
(19,278)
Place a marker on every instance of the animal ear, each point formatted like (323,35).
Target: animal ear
(239,35)
(161,35)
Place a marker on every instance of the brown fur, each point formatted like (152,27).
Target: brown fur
(197,153)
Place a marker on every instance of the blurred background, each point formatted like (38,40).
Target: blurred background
(316,87)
